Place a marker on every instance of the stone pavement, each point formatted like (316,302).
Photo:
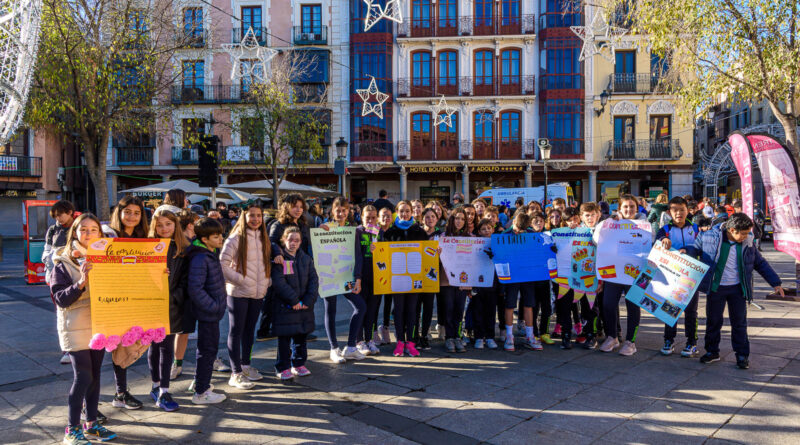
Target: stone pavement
(551,397)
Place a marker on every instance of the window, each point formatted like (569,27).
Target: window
(448,73)
(509,126)
(562,122)
(510,13)
(421,13)
(483,138)
(421,69)
(559,64)
(509,72)
(660,127)
(312,66)
(448,16)
(658,66)
(746,117)
(447,139)
(559,14)
(18,145)
(311,20)
(760,116)
(138,21)
(484,12)
(249,67)
(193,74)
(251,18)
(371,136)
(484,72)
(624,128)
(625,62)
(193,23)
(421,142)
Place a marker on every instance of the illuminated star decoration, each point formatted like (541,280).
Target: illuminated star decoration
(444,113)
(249,48)
(487,113)
(375,12)
(599,27)
(372,90)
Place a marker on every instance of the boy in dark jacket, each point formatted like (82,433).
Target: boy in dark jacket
(728,250)
(205,287)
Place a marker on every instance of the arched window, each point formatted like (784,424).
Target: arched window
(448,73)
(483,137)
(421,74)
(421,142)
(510,72)
(447,139)
(510,136)
(484,73)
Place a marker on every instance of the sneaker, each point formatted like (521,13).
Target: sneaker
(175,372)
(491,344)
(742,361)
(99,432)
(221,366)
(373,348)
(251,373)
(125,400)
(460,346)
(689,351)
(385,335)
(465,340)
(166,403)
(286,374)
(399,349)
(208,398)
(668,348)
(609,345)
(424,344)
(191,387)
(590,343)
(238,380)
(411,348)
(628,348)
(336,356)
(65,360)
(566,341)
(533,343)
(709,357)
(351,353)
(74,436)
(478,343)
(301,371)
(545,338)
(581,339)
(154,393)
(508,344)
(556,331)
(450,345)
(101,419)
(577,328)
(363,348)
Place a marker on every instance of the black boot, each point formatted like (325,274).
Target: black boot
(566,340)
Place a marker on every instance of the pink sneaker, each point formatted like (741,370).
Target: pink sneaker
(557,330)
(577,328)
(301,371)
(412,349)
(286,375)
(398,350)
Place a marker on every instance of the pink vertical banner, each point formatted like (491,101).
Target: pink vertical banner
(740,153)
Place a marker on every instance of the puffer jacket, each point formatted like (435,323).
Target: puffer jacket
(255,282)
(205,284)
(707,247)
(300,286)
(177,293)
(74,317)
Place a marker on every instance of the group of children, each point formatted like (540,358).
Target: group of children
(269,268)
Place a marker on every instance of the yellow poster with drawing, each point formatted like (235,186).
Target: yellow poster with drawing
(128,285)
(404,267)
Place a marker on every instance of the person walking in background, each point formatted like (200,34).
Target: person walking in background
(64,214)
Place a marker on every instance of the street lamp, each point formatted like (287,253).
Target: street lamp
(603,102)
(339,167)
(544,150)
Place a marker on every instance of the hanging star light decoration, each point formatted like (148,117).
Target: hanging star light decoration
(372,90)
(444,113)
(249,48)
(487,113)
(375,12)
(588,34)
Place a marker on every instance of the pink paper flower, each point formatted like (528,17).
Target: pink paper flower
(112,342)
(98,342)
(147,337)
(161,334)
(129,338)
(137,330)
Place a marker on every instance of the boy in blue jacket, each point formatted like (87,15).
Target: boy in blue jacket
(728,250)
(205,287)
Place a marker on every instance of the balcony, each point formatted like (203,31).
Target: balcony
(135,155)
(305,157)
(467,86)
(192,38)
(628,83)
(504,149)
(237,34)
(564,149)
(467,26)
(644,150)
(184,156)
(365,151)
(310,36)
(428,150)
(209,94)
(20,166)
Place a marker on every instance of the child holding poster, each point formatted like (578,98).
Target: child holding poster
(484,300)
(679,234)
(68,285)
(543,293)
(366,234)
(385,218)
(205,287)
(160,355)
(454,297)
(424,313)
(590,216)
(296,290)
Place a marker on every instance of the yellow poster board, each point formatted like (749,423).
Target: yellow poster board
(406,267)
(128,285)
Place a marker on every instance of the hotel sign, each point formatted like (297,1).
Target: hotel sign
(458,168)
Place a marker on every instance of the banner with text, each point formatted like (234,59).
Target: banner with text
(622,248)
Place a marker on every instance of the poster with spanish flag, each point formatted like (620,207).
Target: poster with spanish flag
(128,285)
(622,248)
(406,267)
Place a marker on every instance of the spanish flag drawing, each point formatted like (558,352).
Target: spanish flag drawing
(608,272)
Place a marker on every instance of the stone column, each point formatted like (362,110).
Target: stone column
(529,175)
(592,185)
(403,183)
(465,183)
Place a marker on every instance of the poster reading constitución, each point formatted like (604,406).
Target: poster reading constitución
(622,248)
(129,284)
(334,259)
(523,257)
(406,267)
(666,285)
(466,262)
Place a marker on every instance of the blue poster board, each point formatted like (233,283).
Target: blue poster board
(523,257)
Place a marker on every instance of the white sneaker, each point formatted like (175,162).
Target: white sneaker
(175,372)
(363,348)
(221,366)
(351,353)
(491,344)
(65,360)
(240,381)
(208,398)
(251,373)
(336,356)
(373,348)
(478,343)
